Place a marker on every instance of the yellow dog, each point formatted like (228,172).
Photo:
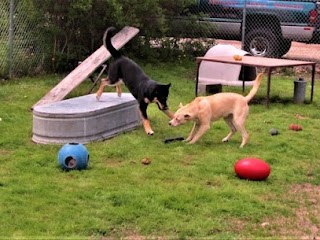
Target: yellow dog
(232,107)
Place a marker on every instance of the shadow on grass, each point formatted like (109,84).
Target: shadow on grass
(274,99)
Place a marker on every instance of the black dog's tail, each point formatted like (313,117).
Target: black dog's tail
(107,42)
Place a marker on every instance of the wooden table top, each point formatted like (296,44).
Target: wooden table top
(257,61)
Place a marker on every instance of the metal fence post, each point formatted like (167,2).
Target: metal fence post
(243,29)
(10,40)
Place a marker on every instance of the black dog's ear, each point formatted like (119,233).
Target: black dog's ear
(168,85)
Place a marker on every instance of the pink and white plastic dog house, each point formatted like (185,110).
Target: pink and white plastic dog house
(213,73)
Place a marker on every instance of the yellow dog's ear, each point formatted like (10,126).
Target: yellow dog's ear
(180,105)
(187,116)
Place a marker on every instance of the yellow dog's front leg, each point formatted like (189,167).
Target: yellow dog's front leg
(199,132)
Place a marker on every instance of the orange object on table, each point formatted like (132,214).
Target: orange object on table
(237,57)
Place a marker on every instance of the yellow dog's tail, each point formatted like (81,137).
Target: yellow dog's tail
(255,87)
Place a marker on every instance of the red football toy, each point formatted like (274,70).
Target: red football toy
(252,169)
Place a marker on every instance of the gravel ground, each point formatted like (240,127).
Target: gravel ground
(298,51)
(302,51)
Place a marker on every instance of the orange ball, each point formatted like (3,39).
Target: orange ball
(237,57)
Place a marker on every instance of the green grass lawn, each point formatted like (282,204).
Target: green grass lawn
(188,191)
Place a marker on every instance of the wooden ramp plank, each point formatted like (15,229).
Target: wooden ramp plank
(87,67)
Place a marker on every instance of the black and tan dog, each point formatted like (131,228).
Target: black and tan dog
(144,89)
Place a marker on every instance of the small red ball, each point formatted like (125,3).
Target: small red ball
(252,169)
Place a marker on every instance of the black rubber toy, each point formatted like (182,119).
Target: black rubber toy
(168,140)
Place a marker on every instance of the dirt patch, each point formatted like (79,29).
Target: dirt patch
(5,152)
(305,222)
(114,163)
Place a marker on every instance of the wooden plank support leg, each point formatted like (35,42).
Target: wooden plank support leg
(87,67)
(104,66)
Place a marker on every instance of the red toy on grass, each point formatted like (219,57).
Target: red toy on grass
(295,127)
(252,169)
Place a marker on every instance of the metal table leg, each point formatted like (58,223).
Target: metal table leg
(268,86)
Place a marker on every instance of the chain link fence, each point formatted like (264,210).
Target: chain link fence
(264,28)
(4,26)
(288,29)
(23,49)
